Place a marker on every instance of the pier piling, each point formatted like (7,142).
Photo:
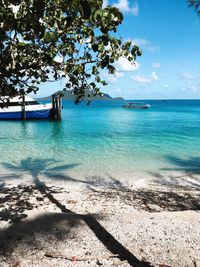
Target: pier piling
(56,111)
(23,108)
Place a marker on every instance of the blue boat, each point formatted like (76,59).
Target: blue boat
(11,109)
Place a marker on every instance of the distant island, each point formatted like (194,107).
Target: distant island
(69,96)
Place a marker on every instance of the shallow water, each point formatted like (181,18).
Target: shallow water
(104,140)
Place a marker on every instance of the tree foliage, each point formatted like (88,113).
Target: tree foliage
(195,4)
(48,40)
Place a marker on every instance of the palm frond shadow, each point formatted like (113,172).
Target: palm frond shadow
(184,175)
(37,167)
(189,165)
(160,197)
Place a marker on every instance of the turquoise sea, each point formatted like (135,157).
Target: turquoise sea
(104,140)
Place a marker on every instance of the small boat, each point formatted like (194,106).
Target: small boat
(13,109)
(139,105)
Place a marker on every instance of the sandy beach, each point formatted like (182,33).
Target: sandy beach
(101,222)
(100,133)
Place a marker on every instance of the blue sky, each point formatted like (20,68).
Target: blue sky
(168,32)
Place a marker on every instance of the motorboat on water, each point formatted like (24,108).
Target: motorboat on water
(136,105)
(14,108)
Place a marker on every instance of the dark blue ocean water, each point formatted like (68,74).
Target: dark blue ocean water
(105,140)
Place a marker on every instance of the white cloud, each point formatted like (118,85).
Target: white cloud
(140,41)
(114,91)
(166,85)
(154,76)
(124,6)
(195,87)
(119,74)
(123,65)
(145,44)
(191,81)
(118,90)
(151,48)
(112,78)
(188,76)
(105,3)
(142,79)
(192,87)
(156,65)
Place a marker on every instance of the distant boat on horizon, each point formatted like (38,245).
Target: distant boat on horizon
(136,105)
(12,109)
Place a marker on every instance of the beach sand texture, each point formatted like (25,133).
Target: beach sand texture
(103,222)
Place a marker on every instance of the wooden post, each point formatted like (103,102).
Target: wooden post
(56,107)
(60,107)
(53,102)
(23,108)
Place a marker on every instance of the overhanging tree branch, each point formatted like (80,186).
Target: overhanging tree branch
(79,32)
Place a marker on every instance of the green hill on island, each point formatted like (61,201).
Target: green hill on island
(69,96)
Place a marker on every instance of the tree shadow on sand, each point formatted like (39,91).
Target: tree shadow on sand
(159,196)
(37,167)
(182,183)
(184,174)
(15,200)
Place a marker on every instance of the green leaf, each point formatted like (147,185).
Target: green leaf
(86,9)
(77,31)
(47,37)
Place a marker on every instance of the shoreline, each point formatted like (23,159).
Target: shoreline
(54,221)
